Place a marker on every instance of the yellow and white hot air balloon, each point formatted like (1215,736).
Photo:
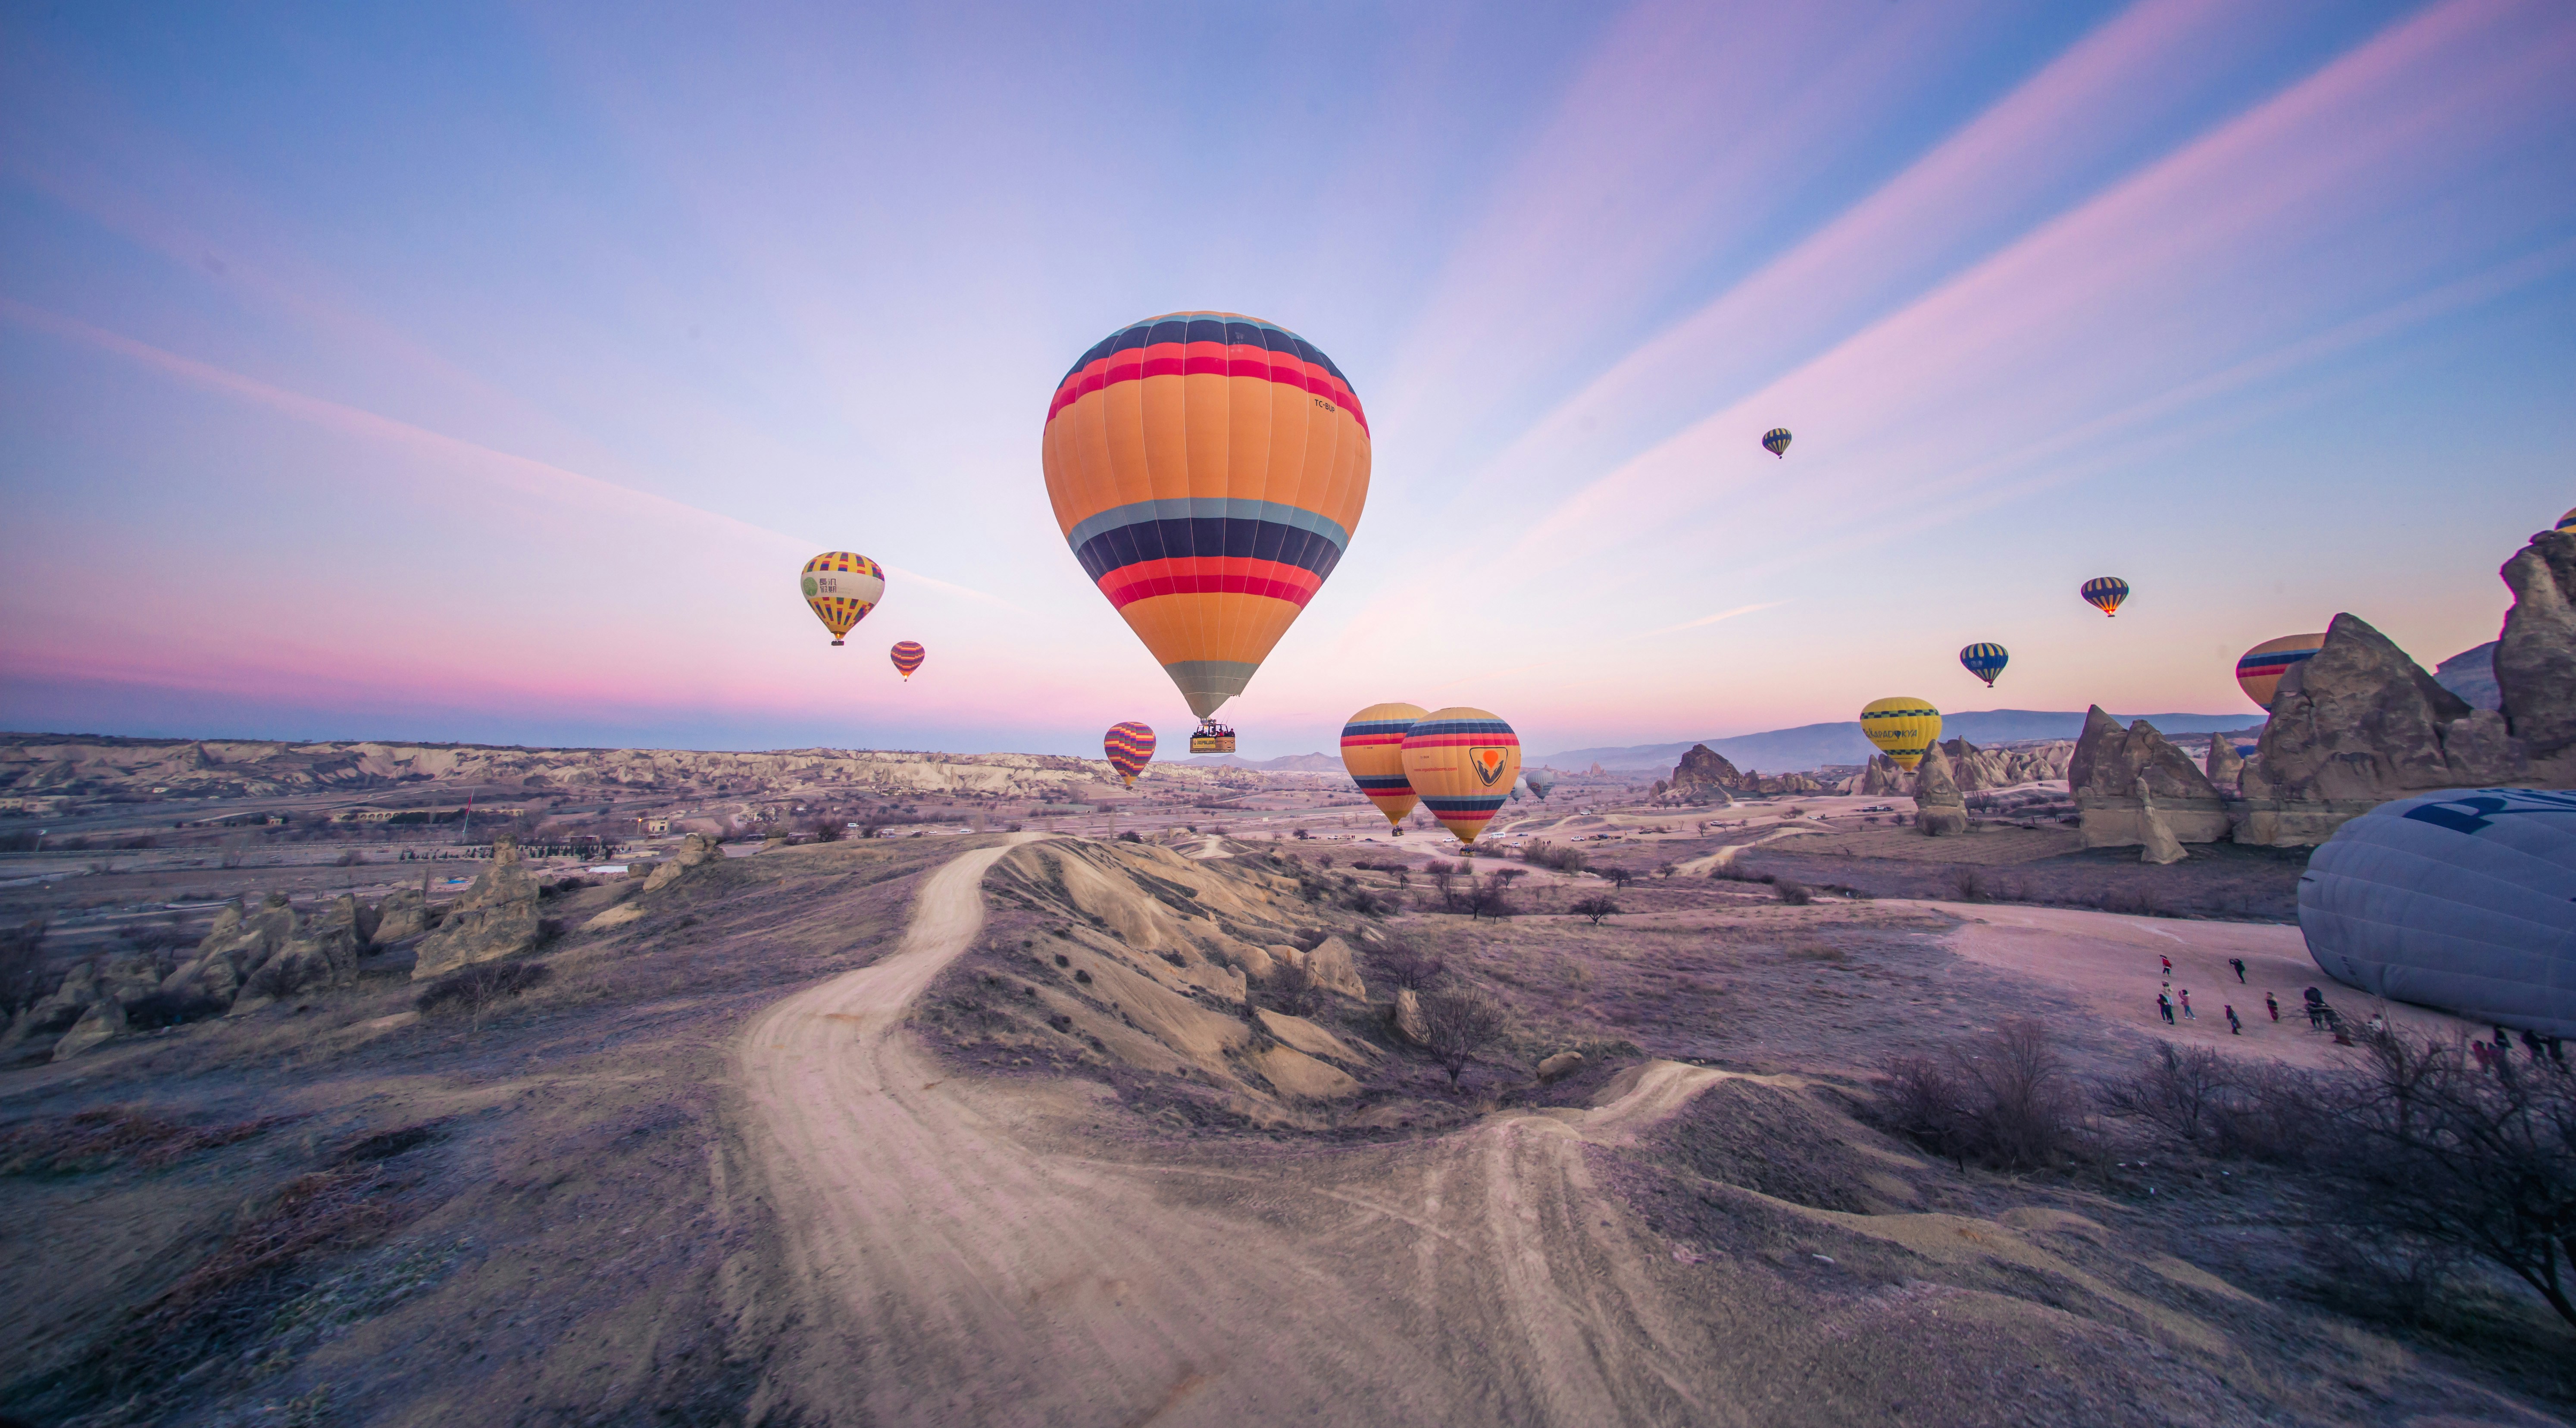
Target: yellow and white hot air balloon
(1902,728)
(841,587)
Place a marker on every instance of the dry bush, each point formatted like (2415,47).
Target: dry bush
(1406,963)
(96,1140)
(2003,1098)
(1969,883)
(1459,1023)
(1795,894)
(1291,990)
(475,990)
(2222,1105)
(1596,907)
(1553,855)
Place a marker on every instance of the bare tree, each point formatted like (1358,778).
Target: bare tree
(1459,1023)
(1619,877)
(1596,907)
(2479,1160)
(1406,963)
(1488,897)
(2004,1097)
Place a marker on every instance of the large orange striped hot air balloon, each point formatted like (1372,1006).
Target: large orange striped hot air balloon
(1373,752)
(1130,746)
(1462,762)
(907,656)
(1208,470)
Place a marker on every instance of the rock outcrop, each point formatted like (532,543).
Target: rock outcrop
(702,850)
(2111,772)
(2224,767)
(1939,811)
(1331,967)
(1883,779)
(401,915)
(496,918)
(1705,776)
(2360,724)
(1406,1018)
(103,1021)
(1556,1068)
(2156,841)
(2535,657)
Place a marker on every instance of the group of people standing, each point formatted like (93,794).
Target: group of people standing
(2175,1006)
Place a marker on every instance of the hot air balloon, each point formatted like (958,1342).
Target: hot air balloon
(2259,670)
(1462,761)
(1208,470)
(2105,592)
(1776,441)
(842,587)
(907,657)
(2566,520)
(1540,781)
(1373,752)
(1130,746)
(1901,728)
(1985,661)
(2463,900)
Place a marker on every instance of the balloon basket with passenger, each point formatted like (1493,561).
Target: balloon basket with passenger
(1212,737)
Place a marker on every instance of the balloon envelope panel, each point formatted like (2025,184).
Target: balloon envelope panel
(841,587)
(1901,728)
(1129,746)
(1373,754)
(2259,670)
(2463,900)
(1462,762)
(1208,470)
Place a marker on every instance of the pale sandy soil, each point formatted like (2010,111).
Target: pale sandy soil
(2109,963)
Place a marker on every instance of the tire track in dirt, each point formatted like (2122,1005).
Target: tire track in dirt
(958,1252)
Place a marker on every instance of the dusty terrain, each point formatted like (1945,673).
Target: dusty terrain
(1015,1128)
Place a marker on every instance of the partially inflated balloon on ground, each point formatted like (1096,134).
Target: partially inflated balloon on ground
(2463,900)
(841,587)
(1902,728)
(1208,470)
(2259,670)
(1985,661)
(907,657)
(1462,762)
(2105,592)
(1373,753)
(1130,746)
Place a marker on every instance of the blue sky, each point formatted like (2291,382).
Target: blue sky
(485,374)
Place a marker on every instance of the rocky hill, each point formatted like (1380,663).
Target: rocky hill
(85,766)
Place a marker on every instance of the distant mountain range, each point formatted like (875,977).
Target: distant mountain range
(1285,763)
(1816,745)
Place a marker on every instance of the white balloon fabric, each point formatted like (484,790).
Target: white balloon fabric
(2463,900)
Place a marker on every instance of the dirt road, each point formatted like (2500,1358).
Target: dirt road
(962,1252)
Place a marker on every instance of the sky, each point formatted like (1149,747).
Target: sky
(486,373)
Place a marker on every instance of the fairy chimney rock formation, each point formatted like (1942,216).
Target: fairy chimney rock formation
(496,918)
(2535,658)
(1705,776)
(2112,773)
(1939,811)
(2225,766)
(2361,724)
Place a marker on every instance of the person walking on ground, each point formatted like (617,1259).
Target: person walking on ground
(2168,961)
(2239,964)
(2186,1005)
(2164,1008)
(2272,1004)
(2234,1027)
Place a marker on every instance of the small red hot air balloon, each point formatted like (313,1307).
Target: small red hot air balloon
(907,657)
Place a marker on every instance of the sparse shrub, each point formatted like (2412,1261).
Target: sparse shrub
(1459,1023)
(1406,962)
(1969,883)
(161,1009)
(477,989)
(1129,836)
(1596,907)
(1555,855)
(1488,897)
(1619,877)
(2002,1097)
(1795,894)
(1291,990)
(2225,1106)
(349,858)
